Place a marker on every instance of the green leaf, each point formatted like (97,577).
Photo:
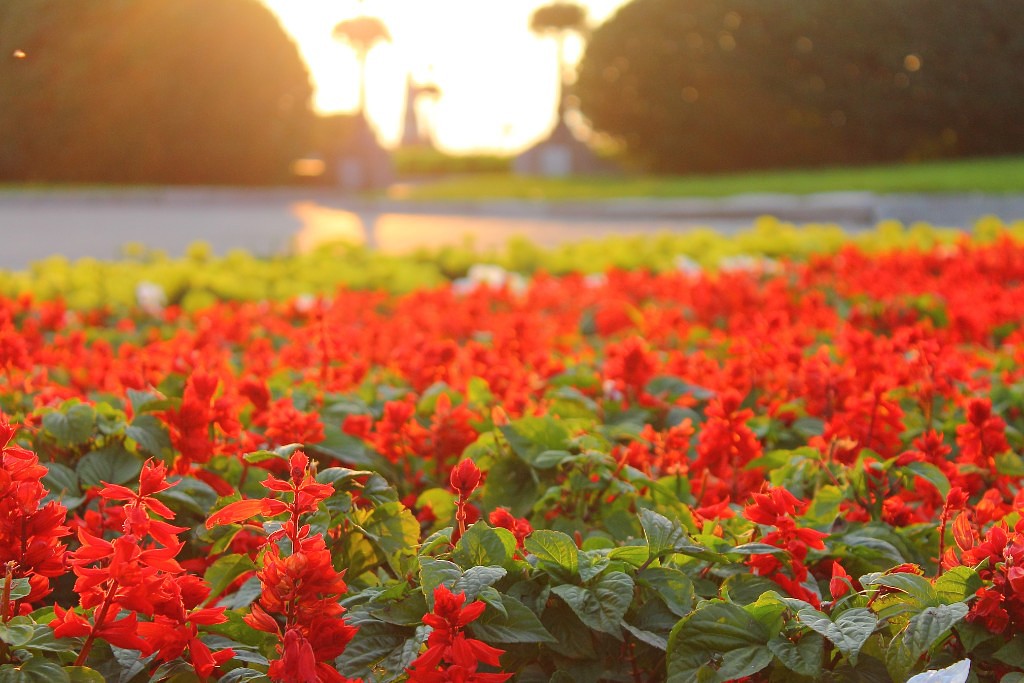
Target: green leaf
(483,545)
(510,483)
(555,551)
(531,436)
(20,588)
(433,573)
(517,625)
(602,605)
(72,425)
(190,494)
(151,435)
(225,570)
(711,636)
(927,628)
(848,632)
(645,636)
(17,634)
(549,459)
(635,555)
(244,675)
(913,585)
(244,596)
(393,529)
(35,670)
(802,657)
(824,507)
(83,674)
(957,584)
(1010,464)
(112,464)
(663,535)
(376,643)
(476,579)
(672,586)
(62,483)
(930,473)
(744,661)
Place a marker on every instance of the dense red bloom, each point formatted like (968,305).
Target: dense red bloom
(465,477)
(450,655)
(29,530)
(982,437)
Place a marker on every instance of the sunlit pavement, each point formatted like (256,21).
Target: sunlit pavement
(98,224)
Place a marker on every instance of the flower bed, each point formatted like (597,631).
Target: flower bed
(802,471)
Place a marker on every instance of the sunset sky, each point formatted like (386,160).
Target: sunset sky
(498,80)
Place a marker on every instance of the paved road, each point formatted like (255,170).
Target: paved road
(98,223)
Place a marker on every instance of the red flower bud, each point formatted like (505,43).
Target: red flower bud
(465,478)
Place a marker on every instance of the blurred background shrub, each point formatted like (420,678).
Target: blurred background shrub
(149,91)
(720,85)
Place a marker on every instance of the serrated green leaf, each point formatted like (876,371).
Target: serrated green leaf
(482,545)
(957,584)
(517,625)
(713,633)
(672,586)
(433,573)
(662,534)
(554,550)
(635,555)
(930,626)
(602,605)
(744,661)
(913,585)
(475,579)
(802,657)
(848,632)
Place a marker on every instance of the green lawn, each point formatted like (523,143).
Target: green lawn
(995,175)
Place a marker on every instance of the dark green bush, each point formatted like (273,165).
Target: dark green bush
(714,85)
(148,91)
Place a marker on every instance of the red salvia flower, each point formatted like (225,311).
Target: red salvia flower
(450,655)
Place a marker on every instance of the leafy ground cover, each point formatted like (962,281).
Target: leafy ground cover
(202,278)
(802,471)
(995,175)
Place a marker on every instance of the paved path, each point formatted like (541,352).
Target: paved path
(98,223)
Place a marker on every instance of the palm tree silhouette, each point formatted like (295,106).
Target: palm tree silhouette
(362,33)
(559,19)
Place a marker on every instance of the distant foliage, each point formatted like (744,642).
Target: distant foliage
(149,91)
(714,85)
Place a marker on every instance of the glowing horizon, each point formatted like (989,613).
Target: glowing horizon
(498,81)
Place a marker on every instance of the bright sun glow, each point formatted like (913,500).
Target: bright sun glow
(498,81)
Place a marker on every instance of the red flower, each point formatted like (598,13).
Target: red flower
(840,584)
(450,655)
(465,477)
(520,528)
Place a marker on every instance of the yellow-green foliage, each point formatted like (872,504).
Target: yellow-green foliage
(201,277)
